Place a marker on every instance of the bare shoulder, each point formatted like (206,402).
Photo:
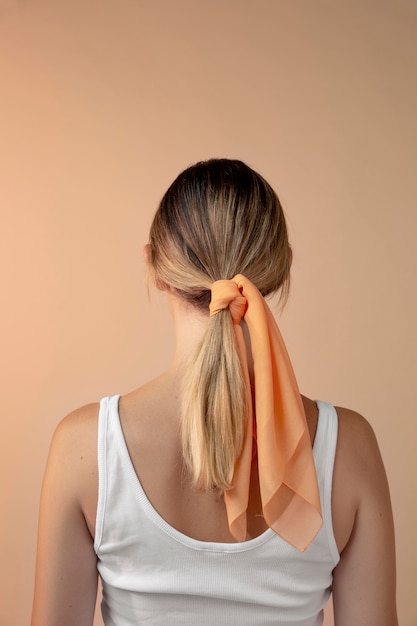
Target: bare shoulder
(356,438)
(364,580)
(66,574)
(352,423)
(73,458)
(359,474)
(357,454)
(75,437)
(78,422)
(74,442)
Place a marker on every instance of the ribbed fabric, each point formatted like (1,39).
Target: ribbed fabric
(153,574)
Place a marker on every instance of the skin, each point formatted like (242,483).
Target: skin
(66,574)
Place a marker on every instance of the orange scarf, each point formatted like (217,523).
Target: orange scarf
(287,475)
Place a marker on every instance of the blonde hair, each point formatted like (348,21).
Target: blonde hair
(218,218)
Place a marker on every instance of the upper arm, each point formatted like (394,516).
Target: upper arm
(66,572)
(364,584)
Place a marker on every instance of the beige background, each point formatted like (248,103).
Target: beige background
(102,104)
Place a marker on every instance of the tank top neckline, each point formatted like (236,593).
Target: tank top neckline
(146,505)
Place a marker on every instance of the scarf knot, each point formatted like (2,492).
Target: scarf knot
(227,294)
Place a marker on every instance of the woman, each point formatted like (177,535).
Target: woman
(224,497)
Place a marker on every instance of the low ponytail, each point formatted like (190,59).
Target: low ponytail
(214,407)
(219,218)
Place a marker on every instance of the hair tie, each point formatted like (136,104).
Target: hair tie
(287,475)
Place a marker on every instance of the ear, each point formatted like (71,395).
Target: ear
(146,253)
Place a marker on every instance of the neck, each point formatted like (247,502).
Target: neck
(190,325)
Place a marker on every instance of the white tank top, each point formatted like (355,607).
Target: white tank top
(154,574)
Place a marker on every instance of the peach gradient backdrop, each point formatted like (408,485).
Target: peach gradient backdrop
(102,103)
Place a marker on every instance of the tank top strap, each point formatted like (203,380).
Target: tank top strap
(324,451)
(105,416)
